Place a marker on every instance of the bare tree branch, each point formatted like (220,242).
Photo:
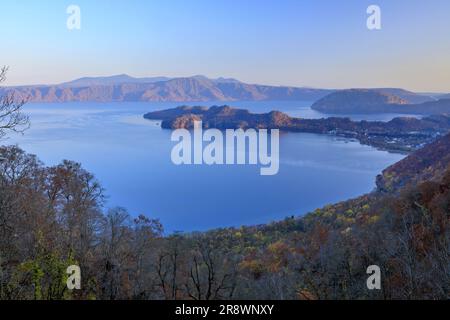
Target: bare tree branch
(11,117)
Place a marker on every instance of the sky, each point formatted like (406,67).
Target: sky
(316,43)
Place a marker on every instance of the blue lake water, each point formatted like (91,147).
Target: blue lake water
(130,156)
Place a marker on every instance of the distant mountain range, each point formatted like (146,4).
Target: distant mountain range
(125,88)
(120,88)
(108,81)
(364,101)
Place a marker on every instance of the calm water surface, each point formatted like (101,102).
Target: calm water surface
(131,158)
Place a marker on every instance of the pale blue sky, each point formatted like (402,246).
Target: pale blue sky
(319,43)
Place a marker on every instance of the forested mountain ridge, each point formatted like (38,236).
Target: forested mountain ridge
(426,164)
(52,217)
(366,101)
(325,253)
(401,134)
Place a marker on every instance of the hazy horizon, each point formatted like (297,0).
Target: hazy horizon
(318,44)
(211,78)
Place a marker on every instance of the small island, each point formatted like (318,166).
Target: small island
(402,134)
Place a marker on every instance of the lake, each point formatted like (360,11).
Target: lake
(130,156)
